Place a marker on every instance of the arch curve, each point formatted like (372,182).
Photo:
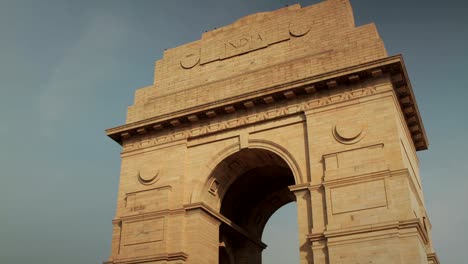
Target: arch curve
(200,193)
(246,187)
(282,152)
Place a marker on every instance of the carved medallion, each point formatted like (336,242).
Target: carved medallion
(298,29)
(349,133)
(190,60)
(148,177)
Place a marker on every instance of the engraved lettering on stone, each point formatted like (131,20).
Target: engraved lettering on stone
(242,45)
(148,200)
(145,231)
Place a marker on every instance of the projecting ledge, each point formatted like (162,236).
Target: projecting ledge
(391,66)
(221,218)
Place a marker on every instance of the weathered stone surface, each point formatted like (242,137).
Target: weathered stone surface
(295,105)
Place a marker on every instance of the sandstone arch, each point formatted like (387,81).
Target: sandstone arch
(302,106)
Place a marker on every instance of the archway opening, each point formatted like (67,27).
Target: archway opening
(253,185)
(280,234)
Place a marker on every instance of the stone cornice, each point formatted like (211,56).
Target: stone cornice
(234,121)
(160,257)
(397,226)
(307,88)
(433,257)
(155,214)
(221,218)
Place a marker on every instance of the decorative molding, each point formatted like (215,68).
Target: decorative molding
(314,237)
(391,68)
(432,258)
(214,186)
(358,178)
(149,178)
(299,187)
(298,30)
(190,59)
(182,256)
(349,134)
(150,200)
(222,219)
(253,118)
(368,230)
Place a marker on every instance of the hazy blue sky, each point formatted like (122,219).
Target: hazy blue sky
(68,70)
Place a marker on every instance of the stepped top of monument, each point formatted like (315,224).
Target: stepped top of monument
(255,54)
(324,34)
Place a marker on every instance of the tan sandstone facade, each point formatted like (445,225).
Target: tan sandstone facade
(295,105)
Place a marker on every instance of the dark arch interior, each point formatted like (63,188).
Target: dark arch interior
(251,190)
(251,197)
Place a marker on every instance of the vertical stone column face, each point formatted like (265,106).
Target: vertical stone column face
(317,240)
(201,237)
(294,105)
(365,184)
(304,222)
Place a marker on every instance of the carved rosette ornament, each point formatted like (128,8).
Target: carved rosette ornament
(148,177)
(349,133)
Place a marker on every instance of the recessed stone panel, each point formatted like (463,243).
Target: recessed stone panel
(142,237)
(359,196)
(148,200)
(355,162)
(144,231)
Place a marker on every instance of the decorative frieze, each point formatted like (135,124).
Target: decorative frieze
(250,119)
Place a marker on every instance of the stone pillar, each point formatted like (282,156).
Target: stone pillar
(317,238)
(249,253)
(201,236)
(304,222)
(116,238)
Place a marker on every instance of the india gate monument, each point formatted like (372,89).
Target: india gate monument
(294,105)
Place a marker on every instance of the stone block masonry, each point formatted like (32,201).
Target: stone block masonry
(294,105)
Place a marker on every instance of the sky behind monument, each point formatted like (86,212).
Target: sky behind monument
(69,69)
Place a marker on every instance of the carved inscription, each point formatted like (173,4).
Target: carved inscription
(145,231)
(243,44)
(243,40)
(148,200)
(228,43)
